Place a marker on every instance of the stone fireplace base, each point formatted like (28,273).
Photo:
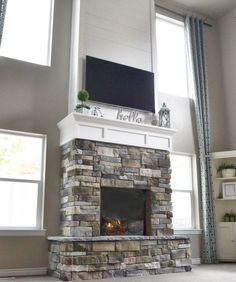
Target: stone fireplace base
(76,258)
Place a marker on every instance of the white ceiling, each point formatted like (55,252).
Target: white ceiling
(210,8)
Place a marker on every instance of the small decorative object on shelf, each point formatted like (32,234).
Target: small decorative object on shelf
(96,111)
(227,170)
(154,120)
(230,217)
(164,116)
(132,116)
(226,217)
(229,190)
(82,96)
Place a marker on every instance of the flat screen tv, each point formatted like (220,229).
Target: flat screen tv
(121,85)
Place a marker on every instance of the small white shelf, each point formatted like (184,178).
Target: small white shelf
(225,199)
(223,155)
(226,222)
(225,178)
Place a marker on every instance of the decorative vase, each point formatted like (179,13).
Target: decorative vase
(227,173)
(164,116)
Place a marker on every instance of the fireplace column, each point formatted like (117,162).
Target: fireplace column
(88,166)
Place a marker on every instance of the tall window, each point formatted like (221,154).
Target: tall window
(22,158)
(182,184)
(27,32)
(172,79)
(171,57)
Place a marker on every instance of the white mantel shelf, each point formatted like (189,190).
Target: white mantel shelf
(88,127)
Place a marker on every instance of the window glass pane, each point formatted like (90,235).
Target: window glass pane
(27,31)
(182,215)
(20,156)
(18,204)
(181,176)
(171,57)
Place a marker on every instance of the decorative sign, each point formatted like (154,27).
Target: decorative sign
(132,116)
(96,111)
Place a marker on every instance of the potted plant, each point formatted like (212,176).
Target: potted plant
(232,217)
(226,217)
(82,96)
(227,170)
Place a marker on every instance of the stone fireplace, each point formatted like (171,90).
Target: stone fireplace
(116,206)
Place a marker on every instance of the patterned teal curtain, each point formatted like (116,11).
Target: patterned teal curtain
(3,5)
(194,28)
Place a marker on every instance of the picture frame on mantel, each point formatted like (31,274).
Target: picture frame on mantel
(229,190)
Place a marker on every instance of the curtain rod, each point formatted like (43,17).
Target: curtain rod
(179,14)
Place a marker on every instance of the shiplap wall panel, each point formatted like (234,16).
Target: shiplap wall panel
(118,31)
(133,38)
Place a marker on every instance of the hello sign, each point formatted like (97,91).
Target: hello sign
(132,116)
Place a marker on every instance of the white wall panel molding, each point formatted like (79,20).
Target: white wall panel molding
(81,126)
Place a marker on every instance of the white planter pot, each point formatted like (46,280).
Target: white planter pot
(229,172)
(83,111)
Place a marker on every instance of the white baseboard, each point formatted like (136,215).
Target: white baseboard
(23,272)
(196,261)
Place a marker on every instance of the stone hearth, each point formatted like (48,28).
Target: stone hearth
(117,256)
(90,171)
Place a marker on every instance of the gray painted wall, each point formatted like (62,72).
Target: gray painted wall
(227,28)
(34,98)
(219,131)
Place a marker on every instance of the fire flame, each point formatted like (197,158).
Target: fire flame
(114,226)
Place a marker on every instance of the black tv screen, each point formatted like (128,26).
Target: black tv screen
(121,85)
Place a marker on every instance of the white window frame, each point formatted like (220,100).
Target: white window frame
(195,223)
(39,229)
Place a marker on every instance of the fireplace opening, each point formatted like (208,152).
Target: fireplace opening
(124,211)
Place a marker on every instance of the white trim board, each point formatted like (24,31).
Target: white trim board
(23,272)
(196,261)
(188,232)
(24,233)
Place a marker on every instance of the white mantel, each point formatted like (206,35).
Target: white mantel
(88,127)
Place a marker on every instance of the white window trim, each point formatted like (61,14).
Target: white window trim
(49,45)
(38,230)
(188,231)
(195,228)
(176,20)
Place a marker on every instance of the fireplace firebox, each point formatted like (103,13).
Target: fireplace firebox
(124,211)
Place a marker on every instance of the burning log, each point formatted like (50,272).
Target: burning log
(113,226)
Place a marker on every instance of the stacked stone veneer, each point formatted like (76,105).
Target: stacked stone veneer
(81,253)
(91,258)
(89,166)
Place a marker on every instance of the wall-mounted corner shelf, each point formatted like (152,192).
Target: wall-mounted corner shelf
(226,178)
(225,231)
(225,199)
